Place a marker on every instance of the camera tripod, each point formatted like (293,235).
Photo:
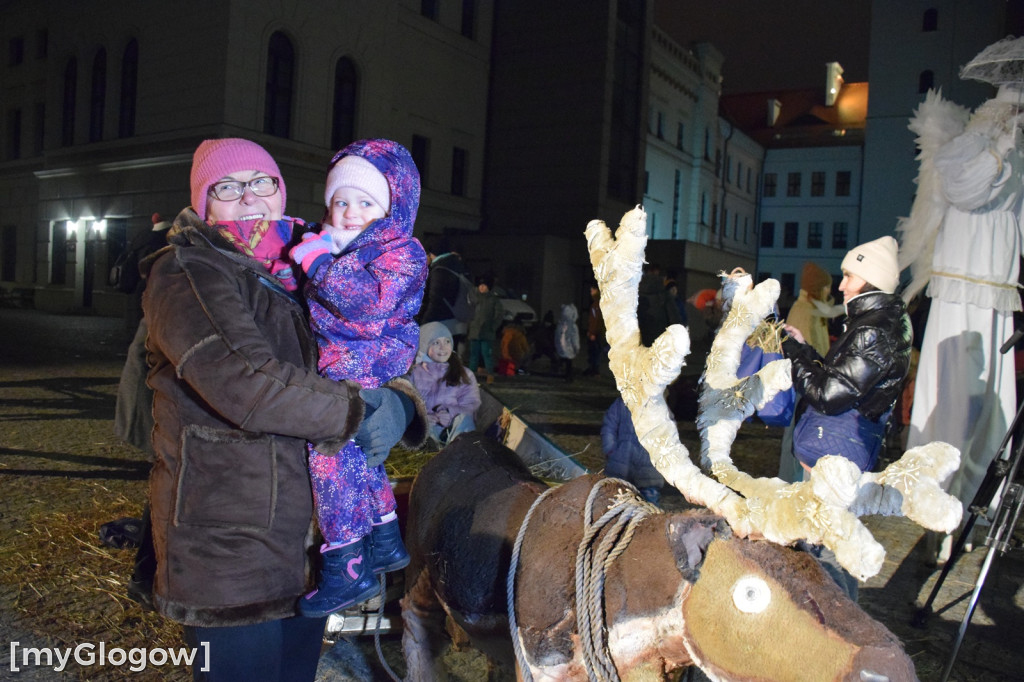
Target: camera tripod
(999,490)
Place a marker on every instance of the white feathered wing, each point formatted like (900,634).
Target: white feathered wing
(936,121)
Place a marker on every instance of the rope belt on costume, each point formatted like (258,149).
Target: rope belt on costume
(593,559)
(974,280)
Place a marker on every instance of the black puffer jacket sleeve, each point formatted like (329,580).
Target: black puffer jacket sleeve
(835,387)
(865,367)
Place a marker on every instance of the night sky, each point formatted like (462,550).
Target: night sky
(774,44)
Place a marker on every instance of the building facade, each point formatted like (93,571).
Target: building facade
(702,172)
(810,211)
(105,103)
(916,45)
(565,141)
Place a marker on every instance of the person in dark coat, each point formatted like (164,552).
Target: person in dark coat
(488,315)
(625,457)
(865,367)
(656,308)
(597,346)
(542,338)
(442,289)
(133,283)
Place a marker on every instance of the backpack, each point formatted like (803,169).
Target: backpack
(462,308)
(124,273)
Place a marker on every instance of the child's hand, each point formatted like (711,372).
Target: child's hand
(794,332)
(314,251)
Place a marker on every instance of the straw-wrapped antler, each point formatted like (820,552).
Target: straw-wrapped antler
(823,510)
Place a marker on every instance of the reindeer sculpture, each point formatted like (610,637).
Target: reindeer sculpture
(585,581)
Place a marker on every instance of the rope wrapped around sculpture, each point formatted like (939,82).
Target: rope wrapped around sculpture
(623,515)
(618,522)
(823,510)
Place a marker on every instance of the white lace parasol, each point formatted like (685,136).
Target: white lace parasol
(1000,63)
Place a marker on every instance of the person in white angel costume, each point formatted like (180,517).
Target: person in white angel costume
(963,241)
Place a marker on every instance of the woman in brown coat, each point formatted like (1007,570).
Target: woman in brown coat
(236,398)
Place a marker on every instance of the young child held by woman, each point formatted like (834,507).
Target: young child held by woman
(449,390)
(365,276)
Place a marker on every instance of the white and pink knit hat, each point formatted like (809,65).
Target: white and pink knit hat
(357,172)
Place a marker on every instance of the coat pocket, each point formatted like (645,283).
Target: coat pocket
(226,479)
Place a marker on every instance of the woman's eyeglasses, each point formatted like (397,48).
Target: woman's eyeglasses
(232,190)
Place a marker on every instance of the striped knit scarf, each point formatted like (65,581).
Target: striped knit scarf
(265,241)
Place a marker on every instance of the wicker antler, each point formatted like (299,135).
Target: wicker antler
(823,510)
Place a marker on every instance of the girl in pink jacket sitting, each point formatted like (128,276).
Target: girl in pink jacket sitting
(449,390)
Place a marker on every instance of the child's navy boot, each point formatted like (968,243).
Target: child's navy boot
(387,552)
(346,578)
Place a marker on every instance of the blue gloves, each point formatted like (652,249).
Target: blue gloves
(314,251)
(388,414)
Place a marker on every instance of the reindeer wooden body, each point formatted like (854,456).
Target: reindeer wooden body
(684,590)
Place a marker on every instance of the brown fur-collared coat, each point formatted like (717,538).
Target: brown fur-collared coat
(236,398)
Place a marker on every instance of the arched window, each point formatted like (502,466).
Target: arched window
(925,81)
(98,95)
(930,20)
(280,75)
(129,89)
(343,128)
(67,128)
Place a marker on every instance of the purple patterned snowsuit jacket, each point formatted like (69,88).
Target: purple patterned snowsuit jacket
(362,305)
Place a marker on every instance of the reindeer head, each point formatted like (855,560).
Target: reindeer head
(824,510)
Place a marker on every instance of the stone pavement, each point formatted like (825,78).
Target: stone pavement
(570,415)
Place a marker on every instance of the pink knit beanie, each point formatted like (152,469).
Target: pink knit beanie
(216,158)
(357,172)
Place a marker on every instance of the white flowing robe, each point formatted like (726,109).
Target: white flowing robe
(965,393)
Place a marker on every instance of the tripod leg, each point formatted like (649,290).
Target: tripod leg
(970,612)
(922,614)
